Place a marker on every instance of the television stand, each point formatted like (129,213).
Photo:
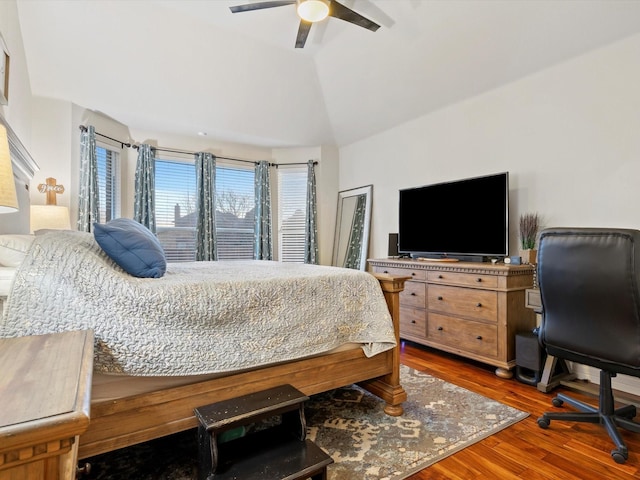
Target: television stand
(470,309)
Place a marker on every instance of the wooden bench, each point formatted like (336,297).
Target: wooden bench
(276,452)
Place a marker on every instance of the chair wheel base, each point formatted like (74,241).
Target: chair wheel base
(543,423)
(619,456)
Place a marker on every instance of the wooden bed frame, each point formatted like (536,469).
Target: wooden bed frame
(127,421)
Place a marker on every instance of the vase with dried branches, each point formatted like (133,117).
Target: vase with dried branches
(529,226)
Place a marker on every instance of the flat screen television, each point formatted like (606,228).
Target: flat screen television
(466,219)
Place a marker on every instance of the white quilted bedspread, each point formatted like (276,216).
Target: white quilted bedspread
(201,317)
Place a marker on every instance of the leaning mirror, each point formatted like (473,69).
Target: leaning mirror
(351,242)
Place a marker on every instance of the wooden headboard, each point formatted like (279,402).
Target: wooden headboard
(24,167)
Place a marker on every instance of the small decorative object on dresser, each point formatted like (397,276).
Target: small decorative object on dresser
(529,226)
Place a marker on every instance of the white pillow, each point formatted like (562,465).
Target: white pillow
(13,249)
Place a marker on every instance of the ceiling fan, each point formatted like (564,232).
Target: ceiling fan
(310,12)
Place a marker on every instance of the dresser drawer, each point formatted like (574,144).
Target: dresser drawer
(413,322)
(464,279)
(404,272)
(414,294)
(466,302)
(475,337)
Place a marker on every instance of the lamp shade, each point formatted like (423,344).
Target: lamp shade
(8,197)
(313,10)
(49,217)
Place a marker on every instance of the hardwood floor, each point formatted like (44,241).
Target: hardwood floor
(564,451)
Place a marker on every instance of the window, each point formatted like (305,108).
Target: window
(175,182)
(235,212)
(292,200)
(176,210)
(108,183)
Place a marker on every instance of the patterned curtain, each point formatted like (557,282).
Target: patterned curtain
(88,211)
(262,246)
(144,207)
(205,208)
(354,247)
(311,222)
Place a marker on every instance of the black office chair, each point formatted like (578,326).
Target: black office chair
(589,284)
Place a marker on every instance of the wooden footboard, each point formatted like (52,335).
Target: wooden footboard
(126,421)
(388,387)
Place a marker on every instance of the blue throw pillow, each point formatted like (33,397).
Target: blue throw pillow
(132,246)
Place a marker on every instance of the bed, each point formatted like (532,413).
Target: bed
(150,373)
(13,249)
(6,280)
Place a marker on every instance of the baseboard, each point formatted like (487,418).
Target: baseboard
(625,387)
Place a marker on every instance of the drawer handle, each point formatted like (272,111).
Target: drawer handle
(413,294)
(386,271)
(478,280)
(440,276)
(439,298)
(413,321)
(479,337)
(440,329)
(478,304)
(413,274)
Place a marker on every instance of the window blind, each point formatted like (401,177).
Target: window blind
(175,183)
(108,183)
(292,198)
(235,212)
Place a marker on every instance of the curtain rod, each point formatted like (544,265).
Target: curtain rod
(123,144)
(185,152)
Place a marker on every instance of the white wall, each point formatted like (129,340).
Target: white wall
(51,145)
(18,111)
(569,136)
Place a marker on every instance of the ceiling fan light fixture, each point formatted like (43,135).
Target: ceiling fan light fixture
(313,10)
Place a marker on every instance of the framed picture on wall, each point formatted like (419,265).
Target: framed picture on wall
(4,72)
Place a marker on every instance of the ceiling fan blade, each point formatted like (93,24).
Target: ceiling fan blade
(260,5)
(303,33)
(337,10)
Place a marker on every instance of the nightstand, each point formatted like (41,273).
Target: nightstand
(45,387)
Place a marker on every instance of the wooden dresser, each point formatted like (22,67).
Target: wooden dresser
(45,387)
(467,308)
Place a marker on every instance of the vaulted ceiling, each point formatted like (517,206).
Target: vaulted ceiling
(188,66)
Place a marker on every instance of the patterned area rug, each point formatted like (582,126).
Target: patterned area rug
(350,425)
